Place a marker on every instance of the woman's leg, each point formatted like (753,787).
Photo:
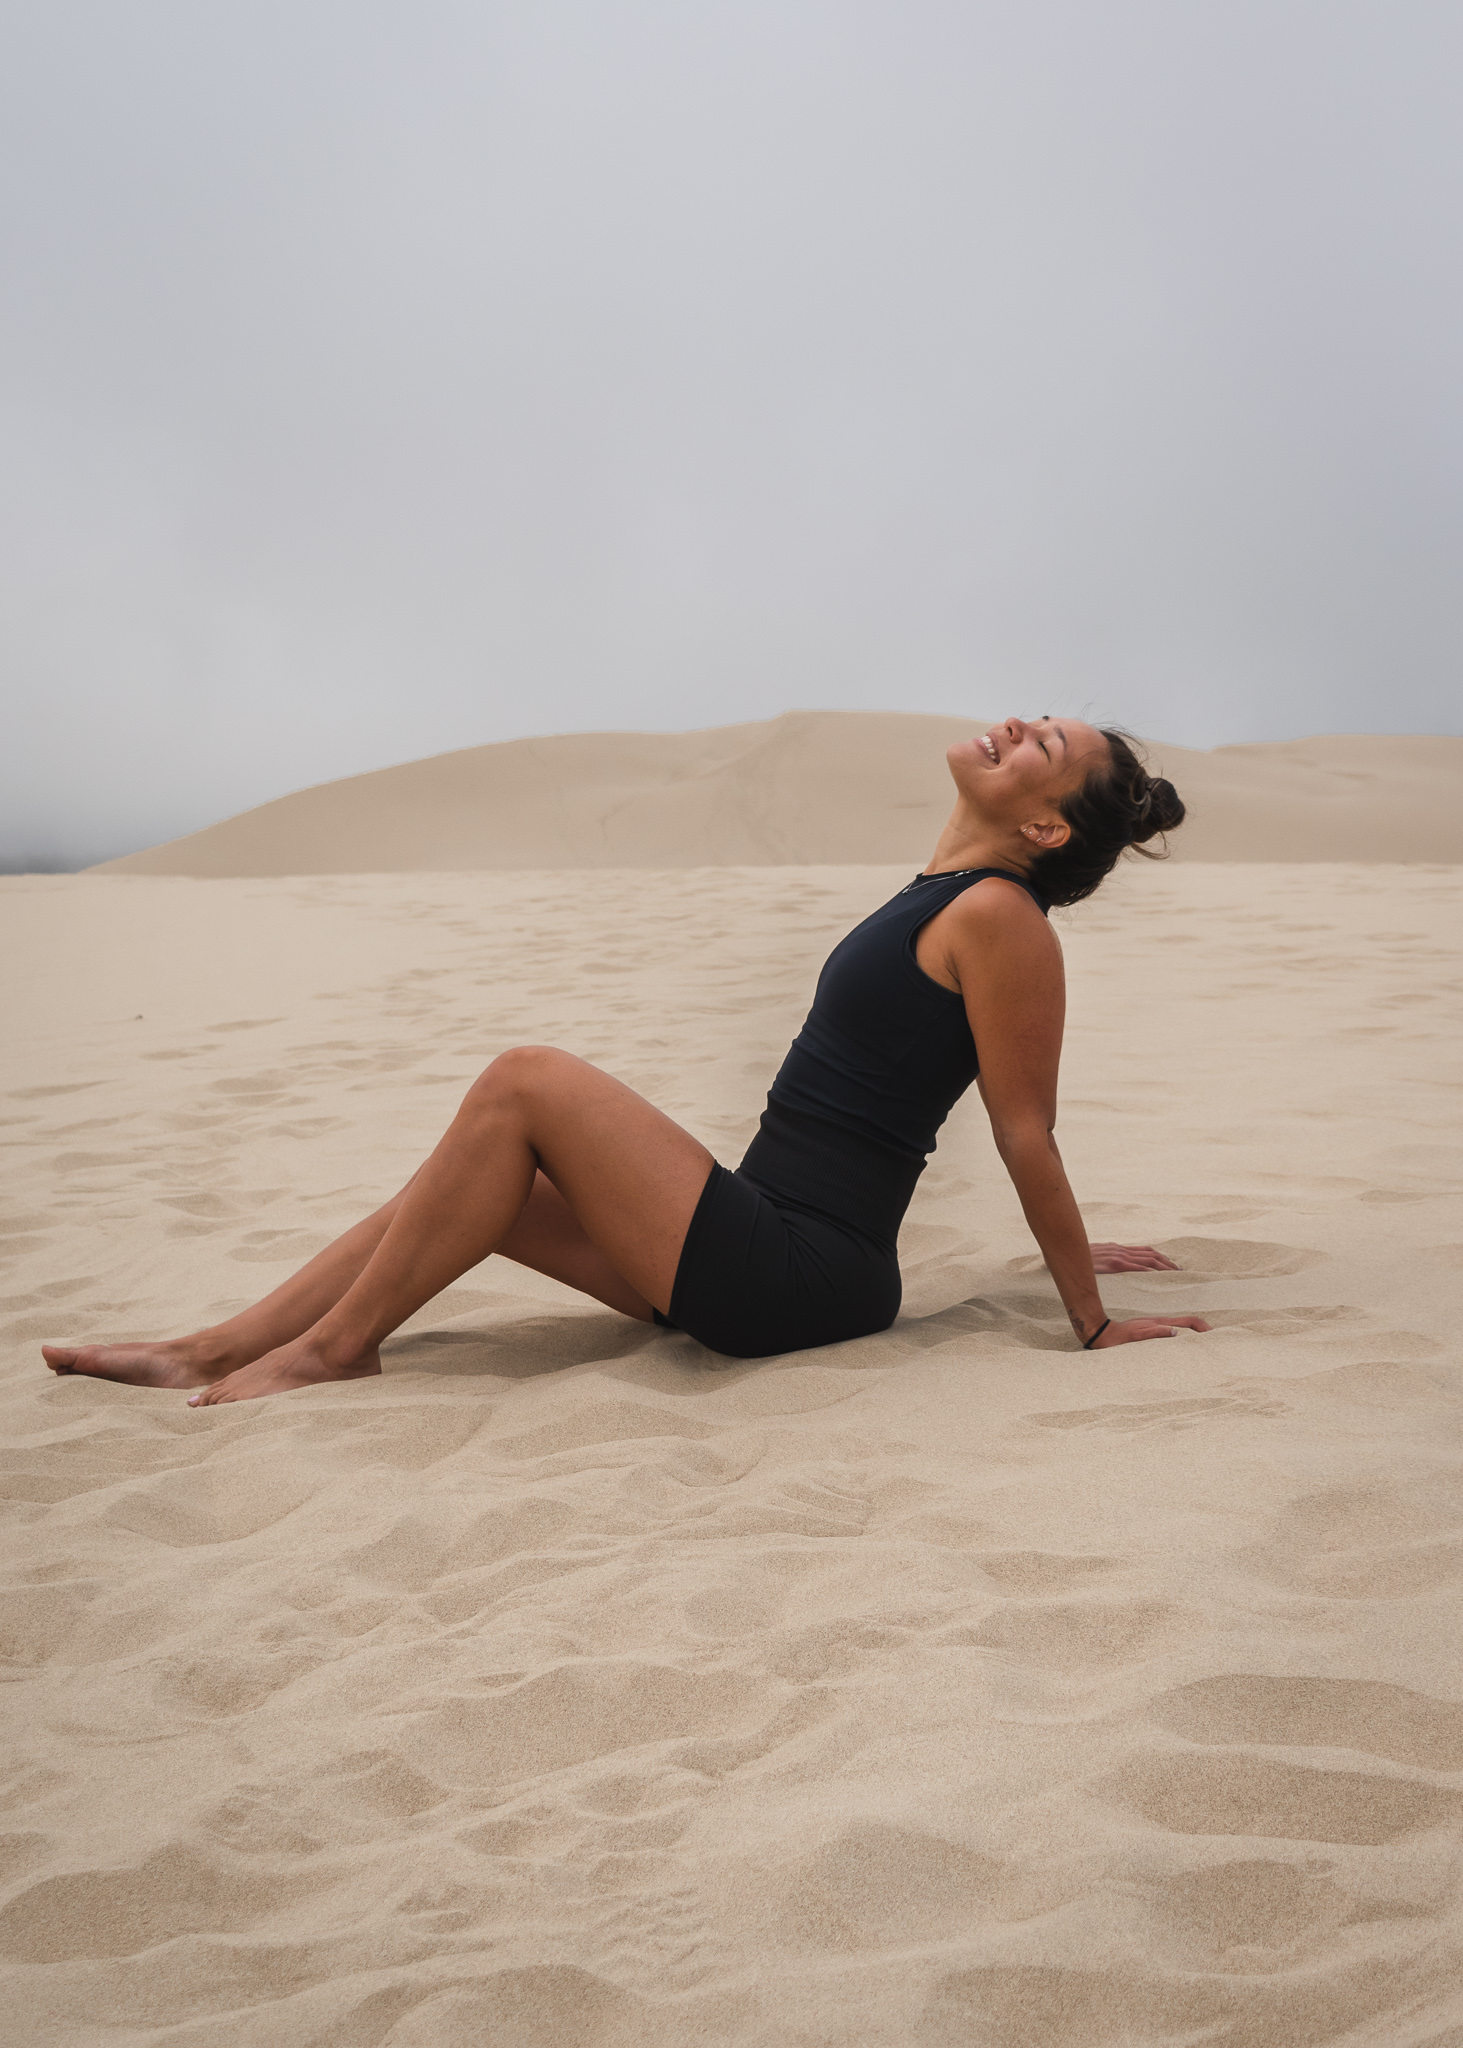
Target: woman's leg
(547,1237)
(630,1177)
(198,1360)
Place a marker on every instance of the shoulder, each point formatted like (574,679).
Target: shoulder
(994,911)
(999,947)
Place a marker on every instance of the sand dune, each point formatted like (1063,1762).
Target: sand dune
(813,786)
(559,1687)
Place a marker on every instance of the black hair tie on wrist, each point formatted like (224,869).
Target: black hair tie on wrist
(1106,1324)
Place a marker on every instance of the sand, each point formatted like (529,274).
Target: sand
(563,1686)
(810,787)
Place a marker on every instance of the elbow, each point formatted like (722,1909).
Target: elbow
(1023,1138)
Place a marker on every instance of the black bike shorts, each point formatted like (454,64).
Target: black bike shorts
(756,1278)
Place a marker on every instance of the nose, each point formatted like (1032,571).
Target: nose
(1015,728)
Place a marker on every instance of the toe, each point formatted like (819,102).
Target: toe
(226,1389)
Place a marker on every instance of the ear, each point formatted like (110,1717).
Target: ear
(1056,832)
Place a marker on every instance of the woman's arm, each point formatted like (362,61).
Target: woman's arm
(1007,963)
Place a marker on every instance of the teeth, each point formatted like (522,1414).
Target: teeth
(989,746)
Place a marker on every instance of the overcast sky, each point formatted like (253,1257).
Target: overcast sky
(380,379)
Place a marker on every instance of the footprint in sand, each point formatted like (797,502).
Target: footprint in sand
(1073,1634)
(585,1426)
(1042,1571)
(1367,1540)
(217,1687)
(1377,1383)
(275,1247)
(1037,2005)
(190,1508)
(86,1914)
(36,1620)
(375,1784)
(1242,1794)
(875,1883)
(1182,1411)
(541,2006)
(259,1822)
(1317,1713)
(576,1711)
(1238,1914)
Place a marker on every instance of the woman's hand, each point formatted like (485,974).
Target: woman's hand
(1130,1258)
(1138,1329)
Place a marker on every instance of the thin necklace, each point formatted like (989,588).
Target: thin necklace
(940,875)
(950,874)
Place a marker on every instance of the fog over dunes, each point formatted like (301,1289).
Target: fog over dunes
(379,382)
(809,787)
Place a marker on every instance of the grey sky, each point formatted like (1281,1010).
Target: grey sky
(381,379)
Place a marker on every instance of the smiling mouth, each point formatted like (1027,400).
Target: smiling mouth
(990,746)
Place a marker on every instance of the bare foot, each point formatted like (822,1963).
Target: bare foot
(299,1364)
(177,1362)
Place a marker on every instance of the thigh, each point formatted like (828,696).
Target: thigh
(629,1173)
(549,1238)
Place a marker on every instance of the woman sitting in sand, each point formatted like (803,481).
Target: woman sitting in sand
(564,1169)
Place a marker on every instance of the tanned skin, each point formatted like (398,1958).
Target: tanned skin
(993,947)
(559,1166)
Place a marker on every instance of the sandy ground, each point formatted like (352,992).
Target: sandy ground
(563,1687)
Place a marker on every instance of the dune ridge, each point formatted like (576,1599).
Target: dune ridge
(558,1687)
(814,787)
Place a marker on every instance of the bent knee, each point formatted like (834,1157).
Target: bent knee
(523,1070)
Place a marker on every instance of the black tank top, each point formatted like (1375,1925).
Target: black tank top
(886,1052)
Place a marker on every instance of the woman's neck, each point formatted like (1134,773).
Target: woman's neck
(968,842)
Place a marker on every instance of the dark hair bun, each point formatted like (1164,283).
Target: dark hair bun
(1159,809)
(1120,806)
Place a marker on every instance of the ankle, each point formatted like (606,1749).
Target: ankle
(214,1352)
(336,1352)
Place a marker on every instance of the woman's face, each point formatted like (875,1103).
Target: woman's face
(1020,771)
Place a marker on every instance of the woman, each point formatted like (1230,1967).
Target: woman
(558,1166)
